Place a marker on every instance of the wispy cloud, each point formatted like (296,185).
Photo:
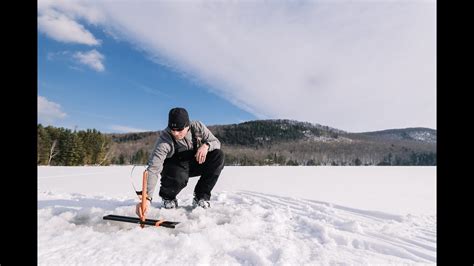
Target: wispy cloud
(355,65)
(149,90)
(59,20)
(154,91)
(48,111)
(64,29)
(92,59)
(126,129)
(58,55)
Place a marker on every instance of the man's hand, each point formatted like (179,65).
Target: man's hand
(201,153)
(141,213)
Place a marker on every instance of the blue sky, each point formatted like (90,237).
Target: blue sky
(352,65)
(132,93)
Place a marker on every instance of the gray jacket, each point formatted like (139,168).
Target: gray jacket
(164,148)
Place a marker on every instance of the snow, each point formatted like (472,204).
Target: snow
(259,216)
(423,136)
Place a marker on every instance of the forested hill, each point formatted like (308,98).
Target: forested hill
(288,142)
(265,133)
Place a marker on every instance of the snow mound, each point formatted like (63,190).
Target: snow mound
(242,227)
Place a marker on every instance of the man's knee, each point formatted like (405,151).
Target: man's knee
(217,156)
(216,161)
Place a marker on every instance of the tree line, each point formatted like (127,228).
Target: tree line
(139,157)
(61,146)
(256,143)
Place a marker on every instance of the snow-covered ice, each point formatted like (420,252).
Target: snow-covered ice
(259,216)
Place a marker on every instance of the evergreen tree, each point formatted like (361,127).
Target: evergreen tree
(140,157)
(96,146)
(357,162)
(72,152)
(292,163)
(121,159)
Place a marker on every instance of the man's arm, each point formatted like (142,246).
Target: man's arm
(208,137)
(155,164)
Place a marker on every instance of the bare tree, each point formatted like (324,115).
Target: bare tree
(105,158)
(53,152)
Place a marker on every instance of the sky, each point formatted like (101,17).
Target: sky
(119,66)
(272,216)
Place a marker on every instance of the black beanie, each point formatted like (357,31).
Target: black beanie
(178,118)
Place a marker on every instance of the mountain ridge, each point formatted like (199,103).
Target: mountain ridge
(315,125)
(291,142)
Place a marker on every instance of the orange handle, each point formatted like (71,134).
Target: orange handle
(145,175)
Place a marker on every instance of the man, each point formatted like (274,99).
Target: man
(184,149)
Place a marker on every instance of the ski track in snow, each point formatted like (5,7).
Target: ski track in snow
(243,227)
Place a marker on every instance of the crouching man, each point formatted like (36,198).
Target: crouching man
(184,149)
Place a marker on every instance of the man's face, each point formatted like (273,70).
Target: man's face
(179,134)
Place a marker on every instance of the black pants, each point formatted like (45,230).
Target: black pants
(178,169)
